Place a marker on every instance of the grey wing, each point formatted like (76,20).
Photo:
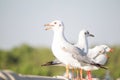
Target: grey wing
(77,54)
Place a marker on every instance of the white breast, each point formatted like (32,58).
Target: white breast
(64,57)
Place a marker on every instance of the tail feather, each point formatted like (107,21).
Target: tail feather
(99,65)
(47,64)
(50,63)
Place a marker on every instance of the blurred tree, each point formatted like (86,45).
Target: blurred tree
(27,60)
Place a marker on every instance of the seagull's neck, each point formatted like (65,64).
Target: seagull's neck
(58,36)
(83,43)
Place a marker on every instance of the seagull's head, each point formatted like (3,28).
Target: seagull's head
(103,49)
(86,33)
(54,25)
(106,48)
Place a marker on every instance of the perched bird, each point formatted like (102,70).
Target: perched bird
(68,54)
(98,54)
(82,43)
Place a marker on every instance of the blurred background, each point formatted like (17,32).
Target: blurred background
(25,45)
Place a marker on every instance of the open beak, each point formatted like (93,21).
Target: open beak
(48,26)
(91,35)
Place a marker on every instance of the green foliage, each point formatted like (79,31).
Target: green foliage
(27,60)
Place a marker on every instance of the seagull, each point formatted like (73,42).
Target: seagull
(82,43)
(98,54)
(65,52)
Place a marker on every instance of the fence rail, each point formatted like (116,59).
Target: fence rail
(9,75)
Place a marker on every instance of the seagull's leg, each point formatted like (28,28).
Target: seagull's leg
(77,74)
(73,73)
(81,77)
(89,75)
(67,71)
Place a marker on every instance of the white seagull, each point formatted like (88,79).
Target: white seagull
(83,45)
(83,41)
(65,52)
(98,54)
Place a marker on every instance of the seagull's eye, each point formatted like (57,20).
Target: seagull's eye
(100,51)
(59,25)
(55,22)
(86,33)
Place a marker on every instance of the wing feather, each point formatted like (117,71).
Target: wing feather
(77,54)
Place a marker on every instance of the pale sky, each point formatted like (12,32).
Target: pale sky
(21,21)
